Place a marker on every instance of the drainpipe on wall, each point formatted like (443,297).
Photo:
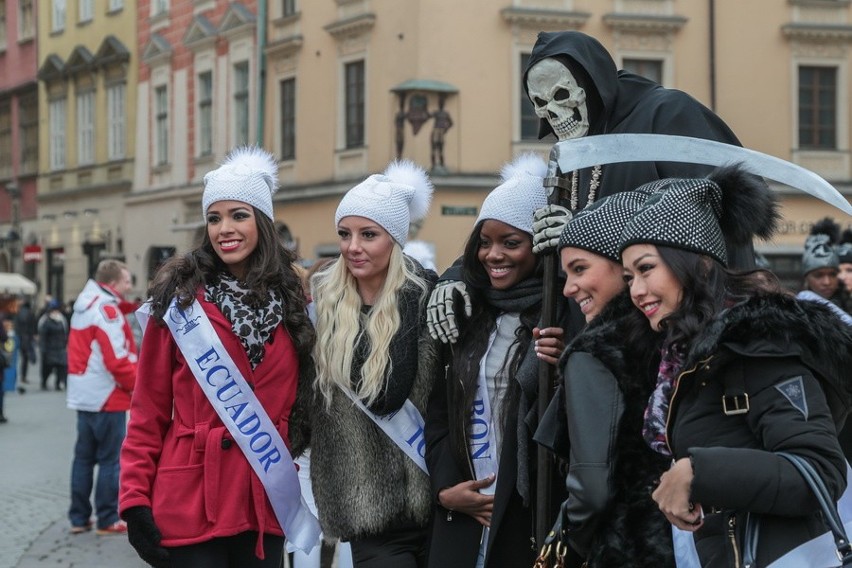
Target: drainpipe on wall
(712,62)
(261,69)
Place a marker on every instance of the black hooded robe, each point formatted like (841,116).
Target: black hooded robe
(631,104)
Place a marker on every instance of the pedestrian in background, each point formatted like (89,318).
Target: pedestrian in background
(26,327)
(101,377)
(190,495)
(8,350)
(373,350)
(53,345)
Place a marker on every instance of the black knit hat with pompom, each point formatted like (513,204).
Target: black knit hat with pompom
(701,214)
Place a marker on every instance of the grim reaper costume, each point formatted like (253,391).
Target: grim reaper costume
(577,91)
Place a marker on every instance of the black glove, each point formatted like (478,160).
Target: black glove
(145,537)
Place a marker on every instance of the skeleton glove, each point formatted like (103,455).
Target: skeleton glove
(548,223)
(145,537)
(440,313)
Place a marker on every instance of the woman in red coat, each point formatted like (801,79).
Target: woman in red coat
(188,493)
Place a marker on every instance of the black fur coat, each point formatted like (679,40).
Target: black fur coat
(621,526)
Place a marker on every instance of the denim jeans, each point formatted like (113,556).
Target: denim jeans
(99,438)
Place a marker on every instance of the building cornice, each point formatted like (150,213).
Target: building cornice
(818,32)
(53,69)
(158,50)
(113,187)
(644,23)
(285,46)
(236,20)
(112,52)
(356,25)
(838,4)
(532,17)
(200,34)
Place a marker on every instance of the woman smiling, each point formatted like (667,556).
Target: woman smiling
(607,376)
(746,372)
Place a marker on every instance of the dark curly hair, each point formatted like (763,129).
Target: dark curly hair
(270,267)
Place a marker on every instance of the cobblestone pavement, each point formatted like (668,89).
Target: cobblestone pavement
(36,448)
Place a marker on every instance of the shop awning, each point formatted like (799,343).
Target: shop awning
(14,283)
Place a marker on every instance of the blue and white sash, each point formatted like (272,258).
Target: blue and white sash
(482,442)
(404,427)
(246,420)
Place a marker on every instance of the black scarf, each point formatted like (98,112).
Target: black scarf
(516,299)
(403,352)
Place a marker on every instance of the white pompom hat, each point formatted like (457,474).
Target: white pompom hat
(393,199)
(520,193)
(249,174)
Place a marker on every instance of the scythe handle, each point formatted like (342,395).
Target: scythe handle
(547,372)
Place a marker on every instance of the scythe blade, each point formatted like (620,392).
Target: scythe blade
(588,151)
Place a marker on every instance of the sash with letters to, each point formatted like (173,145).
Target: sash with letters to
(246,420)
(404,427)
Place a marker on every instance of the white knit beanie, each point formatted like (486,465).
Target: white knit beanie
(519,194)
(393,199)
(249,174)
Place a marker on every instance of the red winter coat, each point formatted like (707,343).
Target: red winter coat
(185,466)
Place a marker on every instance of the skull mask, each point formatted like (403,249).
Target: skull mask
(558,99)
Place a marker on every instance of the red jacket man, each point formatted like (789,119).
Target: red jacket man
(101,377)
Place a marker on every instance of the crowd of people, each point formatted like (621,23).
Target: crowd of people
(684,373)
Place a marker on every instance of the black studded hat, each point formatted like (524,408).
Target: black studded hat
(598,227)
(701,214)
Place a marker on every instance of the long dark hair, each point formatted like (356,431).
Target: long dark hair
(472,345)
(708,288)
(270,266)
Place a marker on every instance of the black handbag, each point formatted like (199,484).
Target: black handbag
(827,506)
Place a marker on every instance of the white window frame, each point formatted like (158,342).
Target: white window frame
(205,114)
(57,121)
(242,102)
(289,80)
(116,125)
(161,125)
(4,8)
(26,15)
(86,128)
(86,10)
(116,5)
(159,7)
(58,13)
(362,59)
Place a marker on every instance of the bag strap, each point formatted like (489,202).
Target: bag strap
(827,505)
(750,538)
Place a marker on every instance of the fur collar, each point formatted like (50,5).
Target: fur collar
(620,337)
(777,325)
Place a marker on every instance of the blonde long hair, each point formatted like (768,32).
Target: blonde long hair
(338,309)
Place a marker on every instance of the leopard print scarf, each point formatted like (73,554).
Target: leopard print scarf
(253,326)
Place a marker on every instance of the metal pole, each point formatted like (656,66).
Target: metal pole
(556,187)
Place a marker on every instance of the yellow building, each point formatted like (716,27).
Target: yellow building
(87,105)
(336,72)
(341,88)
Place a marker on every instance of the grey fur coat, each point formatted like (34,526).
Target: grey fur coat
(362,482)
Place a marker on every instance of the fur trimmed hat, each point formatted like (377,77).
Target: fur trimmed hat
(249,174)
(819,246)
(700,214)
(598,227)
(520,193)
(393,199)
